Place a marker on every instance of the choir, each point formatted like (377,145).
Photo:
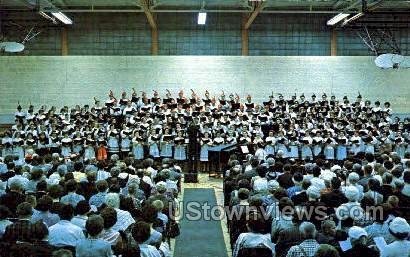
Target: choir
(294,127)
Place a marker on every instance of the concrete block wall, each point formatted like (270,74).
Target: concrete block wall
(105,34)
(74,80)
(129,34)
(281,34)
(179,34)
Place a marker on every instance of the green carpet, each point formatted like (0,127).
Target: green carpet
(199,238)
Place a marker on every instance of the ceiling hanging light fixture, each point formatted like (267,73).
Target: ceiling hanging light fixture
(202,15)
(337,19)
(62,17)
(48,17)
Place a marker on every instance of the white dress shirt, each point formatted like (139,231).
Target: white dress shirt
(64,233)
(252,240)
(396,249)
(80,221)
(149,251)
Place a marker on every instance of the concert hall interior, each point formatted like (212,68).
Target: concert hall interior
(205,128)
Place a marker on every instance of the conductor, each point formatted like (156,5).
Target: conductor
(193,149)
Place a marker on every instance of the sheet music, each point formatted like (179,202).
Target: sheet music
(244,149)
(345,245)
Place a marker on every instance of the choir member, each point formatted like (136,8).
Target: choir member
(137,146)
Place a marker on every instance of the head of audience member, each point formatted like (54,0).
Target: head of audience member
(261,170)
(55,191)
(357,235)
(307,230)
(36,173)
(297,178)
(24,210)
(44,203)
(280,193)
(32,200)
(373,184)
(71,186)
(62,253)
(244,183)
(329,228)
(110,217)
(353,178)
(161,187)
(16,186)
(141,231)
(399,228)
(352,193)
(149,213)
(82,208)
(273,185)
(313,193)
(62,170)
(286,206)
(112,200)
(66,212)
(114,158)
(335,183)
(94,225)
(133,188)
(115,172)
(102,186)
(243,194)
(254,162)
(158,205)
(256,223)
(326,250)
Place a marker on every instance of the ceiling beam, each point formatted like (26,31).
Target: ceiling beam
(254,14)
(148,13)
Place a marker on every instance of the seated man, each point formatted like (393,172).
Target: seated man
(21,230)
(64,233)
(124,218)
(141,232)
(309,246)
(256,237)
(93,246)
(358,239)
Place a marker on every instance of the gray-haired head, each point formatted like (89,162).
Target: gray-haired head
(112,200)
(308,230)
(115,157)
(115,171)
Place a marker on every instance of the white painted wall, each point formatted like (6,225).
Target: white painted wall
(70,80)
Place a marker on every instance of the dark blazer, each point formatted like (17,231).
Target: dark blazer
(35,249)
(386,191)
(21,230)
(11,200)
(360,250)
(286,239)
(285,180)
(333,199)
(300,198)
